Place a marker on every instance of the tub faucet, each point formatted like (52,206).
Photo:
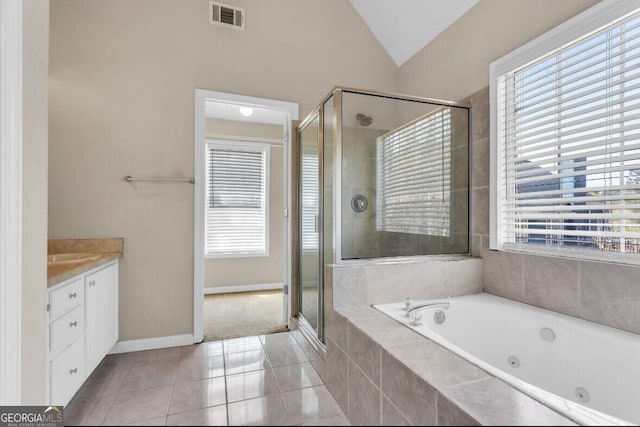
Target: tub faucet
(414,314)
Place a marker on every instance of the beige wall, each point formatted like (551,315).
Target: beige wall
(258,270)
(35,53)
(456,63)
(122,80)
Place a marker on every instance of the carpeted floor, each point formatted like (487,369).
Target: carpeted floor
(242,314)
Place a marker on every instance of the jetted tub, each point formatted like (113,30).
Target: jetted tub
(585,371)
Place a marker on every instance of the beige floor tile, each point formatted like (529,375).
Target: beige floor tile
(189,382)
(251,385)
(282,338)
(150,375)
(338,420)
(88,410)
(310,404)
(214,416)
(285,355)
(104,381)
(294,377)
(268,410)
(160,421)
(238,345)
(202,350)
(118,361)
(193,369)
(164,355)
(139,405)
(198,394)
(237,363)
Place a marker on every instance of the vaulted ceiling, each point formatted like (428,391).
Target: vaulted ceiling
(403,27)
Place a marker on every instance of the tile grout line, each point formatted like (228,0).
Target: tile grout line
(173,386)
(224,375)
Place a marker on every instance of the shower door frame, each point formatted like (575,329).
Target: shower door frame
(304,324)
(337,94)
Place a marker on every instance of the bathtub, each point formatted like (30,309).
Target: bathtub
(587,372)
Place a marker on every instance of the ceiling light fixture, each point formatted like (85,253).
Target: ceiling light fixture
(246,111)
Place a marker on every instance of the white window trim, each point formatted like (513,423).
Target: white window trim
(252,147)
(587,22)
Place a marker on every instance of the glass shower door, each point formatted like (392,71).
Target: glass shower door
(310,248)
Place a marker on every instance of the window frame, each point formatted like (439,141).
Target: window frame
(316,246)
(582,25)
(430,128)
(249,146)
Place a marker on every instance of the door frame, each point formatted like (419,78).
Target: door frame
(10,200)
(290,110)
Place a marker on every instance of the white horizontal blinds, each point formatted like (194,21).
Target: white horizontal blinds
(571,145)
(310,199)
(236,199)
(414,177)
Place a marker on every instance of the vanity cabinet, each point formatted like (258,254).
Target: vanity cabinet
(101,308)
(83,327)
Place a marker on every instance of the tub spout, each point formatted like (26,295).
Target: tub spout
(414,314)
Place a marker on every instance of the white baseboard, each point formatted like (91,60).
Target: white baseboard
(242,288)
(152,343)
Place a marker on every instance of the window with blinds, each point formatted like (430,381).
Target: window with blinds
(310,202)
(237,202)
(568,147)
(414,177)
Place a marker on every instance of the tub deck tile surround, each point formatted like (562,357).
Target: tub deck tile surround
(494,402)
(439,366)
(418,381)
(431,385)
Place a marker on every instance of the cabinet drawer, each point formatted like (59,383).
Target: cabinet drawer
(67,373)
(66,297)
(66,329)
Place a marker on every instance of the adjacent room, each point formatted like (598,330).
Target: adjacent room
(302,212)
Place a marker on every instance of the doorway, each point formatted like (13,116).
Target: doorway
(242,199)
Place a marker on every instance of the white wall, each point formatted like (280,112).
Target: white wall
(122,80)
(254,270)
(35,21)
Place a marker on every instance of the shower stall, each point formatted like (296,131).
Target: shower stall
(379,175)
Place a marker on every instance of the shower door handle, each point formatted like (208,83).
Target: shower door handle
(316,224)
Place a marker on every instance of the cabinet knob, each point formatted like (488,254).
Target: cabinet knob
(73,295)
(74,323)
(73,371)
(92,283)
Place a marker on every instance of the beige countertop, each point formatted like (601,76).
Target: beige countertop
(61,272)
(107,249)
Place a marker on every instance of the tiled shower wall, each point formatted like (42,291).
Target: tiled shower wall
(600,292)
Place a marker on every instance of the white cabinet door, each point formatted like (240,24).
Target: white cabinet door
(101,308)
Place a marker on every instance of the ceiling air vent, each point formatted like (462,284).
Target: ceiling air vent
(223,14)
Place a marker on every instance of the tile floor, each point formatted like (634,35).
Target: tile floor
(258,380)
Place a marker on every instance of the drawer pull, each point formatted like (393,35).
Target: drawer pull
(73,371)
(92,283)
(73,295)
(74,323)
